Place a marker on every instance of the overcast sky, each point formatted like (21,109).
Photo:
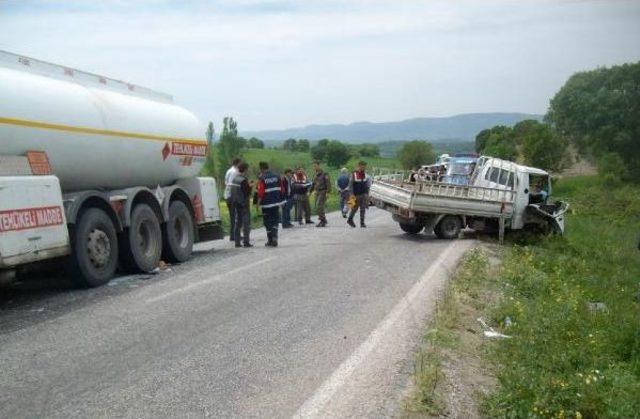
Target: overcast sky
(280,64)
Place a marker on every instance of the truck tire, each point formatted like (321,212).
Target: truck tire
(95,249)
(411,228)
(449,227)
(178,233)
(142,241)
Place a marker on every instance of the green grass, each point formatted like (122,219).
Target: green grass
(443,332)
(565,359)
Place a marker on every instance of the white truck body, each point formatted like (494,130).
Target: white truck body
(75,143)
(498,190)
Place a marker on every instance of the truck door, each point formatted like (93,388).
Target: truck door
(521,199)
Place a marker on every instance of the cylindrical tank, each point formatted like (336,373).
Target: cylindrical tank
(97,132)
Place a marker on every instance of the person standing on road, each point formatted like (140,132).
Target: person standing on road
(287,186)
(359,187)
(342,183)
(270,199)
(241,197)
(301,196)
(228,178)
(322,186)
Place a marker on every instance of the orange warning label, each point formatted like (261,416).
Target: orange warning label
(188,149)
(39,162)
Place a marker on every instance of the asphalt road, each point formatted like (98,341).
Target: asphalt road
(324,325)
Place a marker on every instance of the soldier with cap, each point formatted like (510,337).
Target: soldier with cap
(270,199)
(322,186)
(359,186)
(301,196)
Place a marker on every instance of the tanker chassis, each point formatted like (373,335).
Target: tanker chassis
(99,171)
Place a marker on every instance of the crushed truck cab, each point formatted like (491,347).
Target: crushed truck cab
(499,195)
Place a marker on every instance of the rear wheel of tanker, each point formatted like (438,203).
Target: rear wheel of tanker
(142,241)
(449,227)
(95,249)
(411,228)
(178,233)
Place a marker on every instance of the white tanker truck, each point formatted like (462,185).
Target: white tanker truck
(98,170)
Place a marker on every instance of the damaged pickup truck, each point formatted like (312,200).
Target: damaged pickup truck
(500,195)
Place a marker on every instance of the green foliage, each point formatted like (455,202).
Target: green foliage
(333,152)
(254,142)
(498,141)
(611,168)
(229,146)
(296,145)
(599,111)
(540,145)
(416,153)
(565,358)
(210,134)
(366,150)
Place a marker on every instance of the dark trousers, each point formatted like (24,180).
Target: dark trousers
(271,218)
(362,201)
(303,209)
(242,223)
(321,201)
(286,211)
(232,218)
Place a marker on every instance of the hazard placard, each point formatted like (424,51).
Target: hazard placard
(39,163)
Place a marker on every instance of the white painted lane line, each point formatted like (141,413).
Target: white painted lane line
(319,400)
(207,281)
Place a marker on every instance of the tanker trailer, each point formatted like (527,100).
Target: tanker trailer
(99,170)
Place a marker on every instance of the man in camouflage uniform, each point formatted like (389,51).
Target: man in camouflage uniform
(321,186)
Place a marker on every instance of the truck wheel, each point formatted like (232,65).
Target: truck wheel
(448,228)
(142,240)
(95,249)
(411,228)
(178,233)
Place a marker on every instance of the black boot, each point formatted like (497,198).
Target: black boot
(351,223)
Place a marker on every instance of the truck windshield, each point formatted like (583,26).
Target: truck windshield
(461,169)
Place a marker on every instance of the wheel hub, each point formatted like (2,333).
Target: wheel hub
(98,248)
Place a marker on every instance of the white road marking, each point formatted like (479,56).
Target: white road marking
(315,404)
(207,281)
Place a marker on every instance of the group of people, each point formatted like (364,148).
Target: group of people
(277,196)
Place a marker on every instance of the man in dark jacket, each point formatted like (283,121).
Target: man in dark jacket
(270,199)
(359,187)
(321,186)
(301,196)
(343,188)
(287,186)
(240,195)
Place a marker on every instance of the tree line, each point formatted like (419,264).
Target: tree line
(596,112)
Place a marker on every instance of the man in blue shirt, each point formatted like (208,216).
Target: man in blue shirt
(343,189)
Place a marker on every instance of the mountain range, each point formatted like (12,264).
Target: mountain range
(463,127)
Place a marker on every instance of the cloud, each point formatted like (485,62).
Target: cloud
(281,63)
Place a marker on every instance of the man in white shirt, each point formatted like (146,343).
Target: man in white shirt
(228,181)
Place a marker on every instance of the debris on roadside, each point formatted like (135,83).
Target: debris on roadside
(489,332)
(597,307)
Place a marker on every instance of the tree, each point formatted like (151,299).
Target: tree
(290,144)
(319,151)
(416,153)
(209,165)
(211,133)
(368,150)
(229,146)
(303,145)
(599,112)
(336,153)
(254,142)
(540,145)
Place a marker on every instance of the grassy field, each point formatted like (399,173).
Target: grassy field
(280,160)
(574,304)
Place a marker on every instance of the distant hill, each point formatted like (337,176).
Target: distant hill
(462,127)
